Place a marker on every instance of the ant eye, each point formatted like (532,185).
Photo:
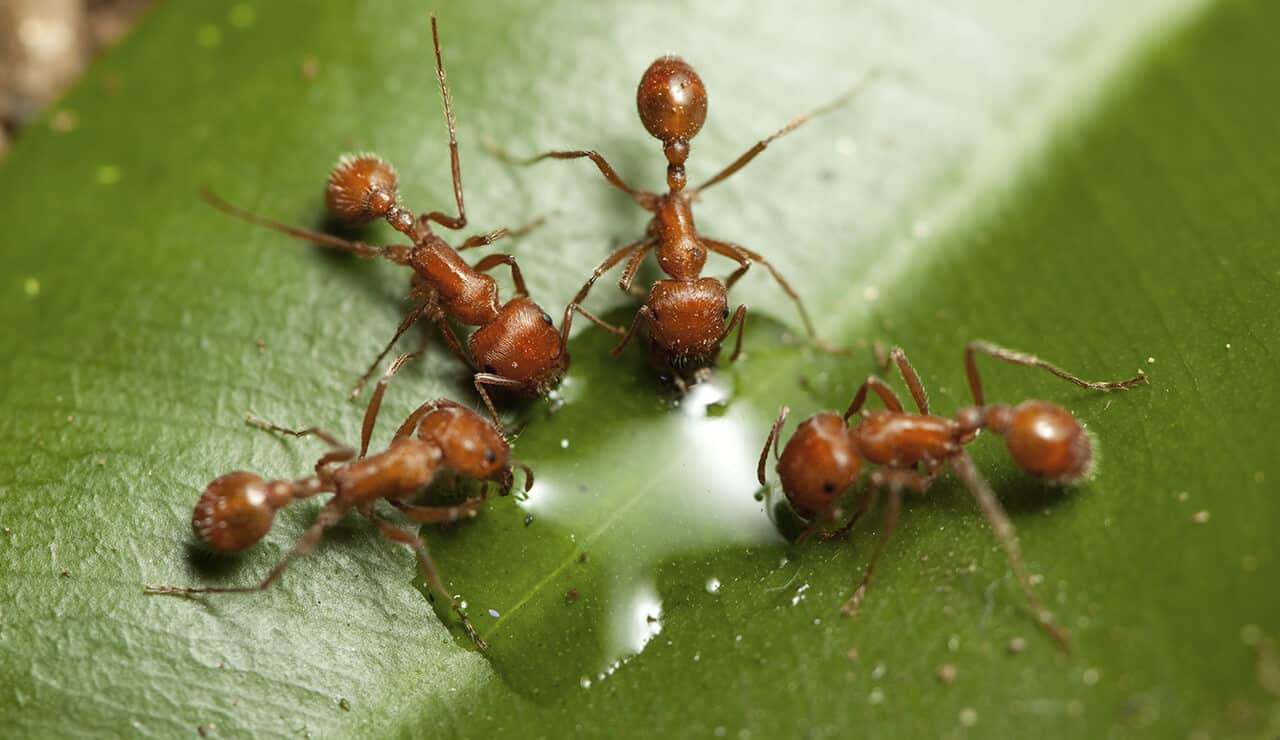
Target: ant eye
(726,311)
(547,319)
(490,455)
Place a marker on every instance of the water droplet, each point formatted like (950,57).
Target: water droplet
(1200,517)
(585,682)
(31,287)
(713,585)
(1091,676)
(876,696)
(968,717)
(878,672)
(494,613)
(243,15)
(564,444)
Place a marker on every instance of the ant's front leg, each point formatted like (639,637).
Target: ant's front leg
(645,314)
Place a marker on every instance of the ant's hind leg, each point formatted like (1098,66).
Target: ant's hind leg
(415,543)
(340,452)
(1015,357)
(646,200)
(962,465)
(484,240)
(329,515)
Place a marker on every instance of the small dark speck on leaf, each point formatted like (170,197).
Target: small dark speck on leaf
(65,573)
(571,596)
(582,557)
(528,519)
(344,705)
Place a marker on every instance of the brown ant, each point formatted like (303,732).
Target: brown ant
(684,315)
(516,346)
(825,455)
(237,510)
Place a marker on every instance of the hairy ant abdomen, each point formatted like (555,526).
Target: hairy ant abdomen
(235,511)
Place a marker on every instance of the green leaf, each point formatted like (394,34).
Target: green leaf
(1091,183)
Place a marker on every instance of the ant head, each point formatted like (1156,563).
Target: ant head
(686,321)
(1044,439)
(236,510)
(818,464)
(362,187)
(522,344)
(470,445)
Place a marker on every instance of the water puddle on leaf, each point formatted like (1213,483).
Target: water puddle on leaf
(632,485)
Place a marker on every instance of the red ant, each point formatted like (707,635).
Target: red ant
(684,315)
(237,510)
(825,455)
(516,346)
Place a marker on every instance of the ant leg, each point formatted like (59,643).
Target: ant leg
(412,421)
(415,543)
(451,340)
(1015,357)
(493,260)
(329,515)
(445,220)
(912,379)
(484,240)
(864,506)
(567,322)
(791,125)
(633,267)
(441,514)
(891,510)
(740,320)
(409,320)
(739,253)
(644,313)
(772,439)
(620,254)
(340,451)
(736,275)
(396,254)
(375,401)
(881,388)
(962,465)
(646,200)
(497,381)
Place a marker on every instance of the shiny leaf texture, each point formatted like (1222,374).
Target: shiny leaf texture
(1091,182)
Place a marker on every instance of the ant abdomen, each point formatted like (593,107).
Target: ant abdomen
(672,101)
(235,511)
(1047,441)
(818,464)
(362,187)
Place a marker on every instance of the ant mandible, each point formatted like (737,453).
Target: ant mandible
(824,456)
(684,315)
(516,346)
(237,510)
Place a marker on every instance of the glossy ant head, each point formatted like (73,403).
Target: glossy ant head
(470,445)
(1044,439)
(522,345)
(686,321)
(819,463)
(673,105)
(237,509)
(363,188)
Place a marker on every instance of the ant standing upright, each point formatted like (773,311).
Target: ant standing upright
(824,456)
(237,510)
(516,346)
(685,313)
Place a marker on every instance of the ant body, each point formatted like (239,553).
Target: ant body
(685,313)
(237,510)
(824,456)
(516,346)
